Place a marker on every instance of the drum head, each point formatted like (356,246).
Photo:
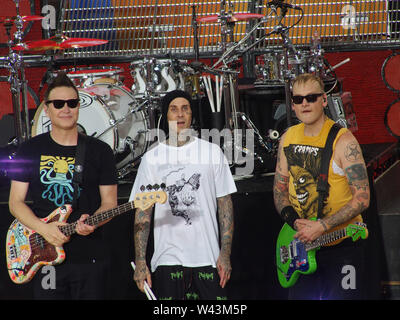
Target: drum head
(392,118)
(390,72)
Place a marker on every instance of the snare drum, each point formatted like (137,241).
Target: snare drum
(155,76)
(86,77)
(105,113)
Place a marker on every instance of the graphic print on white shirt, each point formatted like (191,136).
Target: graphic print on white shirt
(182,196)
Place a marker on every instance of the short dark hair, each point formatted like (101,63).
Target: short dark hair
(61,80)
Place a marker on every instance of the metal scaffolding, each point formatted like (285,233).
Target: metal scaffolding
(138,28)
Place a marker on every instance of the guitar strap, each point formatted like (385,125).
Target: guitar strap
(77,177)
(322,185)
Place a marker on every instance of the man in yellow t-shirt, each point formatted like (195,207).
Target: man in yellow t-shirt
(296,195)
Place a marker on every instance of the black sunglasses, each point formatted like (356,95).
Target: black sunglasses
(310,98)
(58,104)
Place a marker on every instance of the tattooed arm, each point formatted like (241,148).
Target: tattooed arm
(281,189)
(225,215)
(348,156)
(281,180)
(141,235)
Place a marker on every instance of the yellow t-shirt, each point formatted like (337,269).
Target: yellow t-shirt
(304,155)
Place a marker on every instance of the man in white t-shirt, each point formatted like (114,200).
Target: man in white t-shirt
(192,246)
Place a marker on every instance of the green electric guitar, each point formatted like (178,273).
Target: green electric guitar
(294,257)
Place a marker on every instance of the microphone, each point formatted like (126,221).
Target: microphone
(281,4)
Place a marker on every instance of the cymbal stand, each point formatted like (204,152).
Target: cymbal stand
(230,89)
(230,79)
(149,94)
(288,48)
(287,75)
(195,34)
(18,84)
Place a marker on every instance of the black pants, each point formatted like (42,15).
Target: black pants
(182,283)
(340,275)
(86,281)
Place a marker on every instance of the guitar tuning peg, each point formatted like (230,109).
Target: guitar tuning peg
(149,187)
(156,187)
(163,186)
(142,188)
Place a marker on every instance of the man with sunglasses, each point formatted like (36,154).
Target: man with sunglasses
(296,196)
(42,171)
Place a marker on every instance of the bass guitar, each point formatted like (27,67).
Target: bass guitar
(27,251)
(294,257)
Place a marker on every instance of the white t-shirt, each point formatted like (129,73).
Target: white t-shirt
(185,226)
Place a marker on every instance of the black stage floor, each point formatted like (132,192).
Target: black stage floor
(256,228)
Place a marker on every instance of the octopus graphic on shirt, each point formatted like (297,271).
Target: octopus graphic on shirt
(56,175)
(304,164)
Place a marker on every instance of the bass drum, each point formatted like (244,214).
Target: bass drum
(105,113)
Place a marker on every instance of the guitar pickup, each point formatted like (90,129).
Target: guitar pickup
(13,252)
(284,254)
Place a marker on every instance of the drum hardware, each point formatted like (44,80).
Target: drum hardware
(115,122)
(155,77)
(17,80)
(225,67)
(230,91)
(15,64)
(273,135)
(195,28)
(288,49)
(130,143)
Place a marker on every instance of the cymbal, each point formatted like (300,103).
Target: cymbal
(235,17)
(6,20)
(59,43)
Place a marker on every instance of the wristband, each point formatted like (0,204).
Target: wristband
(323,225)
(289,215)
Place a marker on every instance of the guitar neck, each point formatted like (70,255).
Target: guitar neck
(327,238)
(98,218)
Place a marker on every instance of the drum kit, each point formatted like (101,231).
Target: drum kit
(123,117)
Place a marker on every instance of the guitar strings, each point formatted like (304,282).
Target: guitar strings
(40,242)
(69,229)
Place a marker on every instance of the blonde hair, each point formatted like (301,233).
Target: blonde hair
(306,77)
